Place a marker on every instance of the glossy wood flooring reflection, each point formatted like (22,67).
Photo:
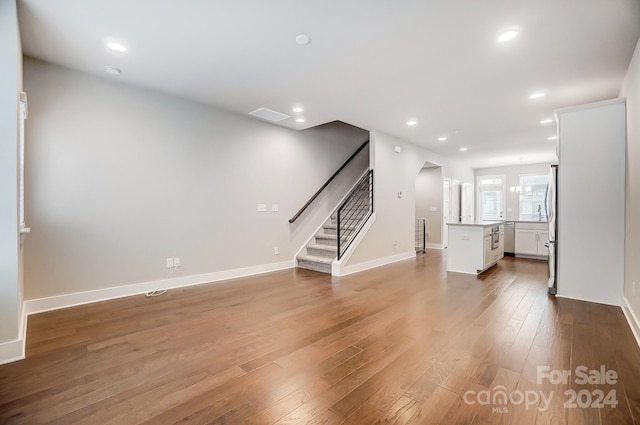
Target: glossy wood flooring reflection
(406,343)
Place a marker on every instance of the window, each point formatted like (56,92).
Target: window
(533,189)
(491,197)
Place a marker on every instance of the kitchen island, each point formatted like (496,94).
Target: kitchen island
(474,246)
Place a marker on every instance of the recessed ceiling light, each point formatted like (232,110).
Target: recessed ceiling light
(507,36)
(552,138)
(116,46)
(537,95)
(297,109)
(412,122)
(548,121)
(299,119)
(112,70)
(442,139)
(303,39)
(463,149)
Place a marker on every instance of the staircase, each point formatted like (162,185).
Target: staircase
(322,249)
(346,220)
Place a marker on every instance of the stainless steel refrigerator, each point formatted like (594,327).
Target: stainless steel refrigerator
(551,205)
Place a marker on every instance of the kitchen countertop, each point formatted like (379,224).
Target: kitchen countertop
(477,223)
(527,221)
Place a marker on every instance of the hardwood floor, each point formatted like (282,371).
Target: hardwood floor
(406,343)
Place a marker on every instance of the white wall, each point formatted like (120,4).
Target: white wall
(591,194)
(395,217)
(631,90)
(513,173)
(10,80)
(119,178)
(429,194)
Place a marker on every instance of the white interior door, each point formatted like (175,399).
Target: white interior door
(467,202)
(446,210)
(455,201)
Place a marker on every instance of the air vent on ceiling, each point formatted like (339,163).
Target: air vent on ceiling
(269,115)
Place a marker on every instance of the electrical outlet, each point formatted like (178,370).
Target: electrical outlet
(176,261)
(428,235)
(275,250)
(169,263)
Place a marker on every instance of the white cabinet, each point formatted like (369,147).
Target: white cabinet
(530,239)
(527,241)
(470,247)
(488,256)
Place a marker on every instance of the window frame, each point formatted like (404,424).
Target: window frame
(521,192)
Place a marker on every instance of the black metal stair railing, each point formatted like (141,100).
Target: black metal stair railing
(354,212)
(324,186)
(421,235)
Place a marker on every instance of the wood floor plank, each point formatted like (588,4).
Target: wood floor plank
(401,343)
(434,408)
(364,414)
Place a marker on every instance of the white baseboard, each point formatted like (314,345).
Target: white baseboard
(634,323)
(463,272)
(434,246)
(586,300)
(69,300)
(533,257)
(15,350)
(12,351)
(377,263)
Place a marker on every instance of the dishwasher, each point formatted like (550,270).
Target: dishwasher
(510,238)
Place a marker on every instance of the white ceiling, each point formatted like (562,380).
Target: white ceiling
(374,64)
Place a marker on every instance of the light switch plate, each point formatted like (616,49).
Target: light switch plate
(274,208)
(262,207)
